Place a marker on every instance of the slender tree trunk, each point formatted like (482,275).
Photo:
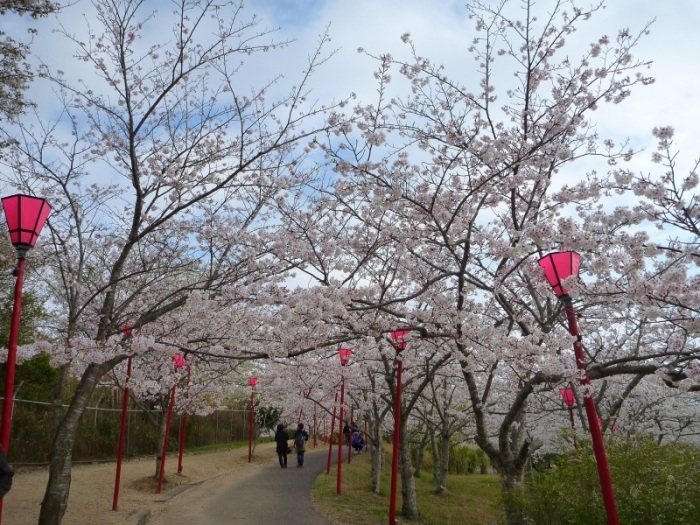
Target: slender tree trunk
(55,501)
(57,398)
(421,454)
(443,462)
(376,453)
(162,423)
(409,507)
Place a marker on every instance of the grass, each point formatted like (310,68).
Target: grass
(470,500)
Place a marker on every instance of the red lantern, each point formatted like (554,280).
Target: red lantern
(252,381)
(179,361)
(25,217)
(344,354)
(558,266)
(567,395)
(399,338)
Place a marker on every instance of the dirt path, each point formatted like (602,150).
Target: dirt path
(92,486)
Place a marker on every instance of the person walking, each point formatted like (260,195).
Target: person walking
(301,436)
(281,438)
(347,433)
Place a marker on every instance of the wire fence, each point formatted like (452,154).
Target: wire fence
(98,432)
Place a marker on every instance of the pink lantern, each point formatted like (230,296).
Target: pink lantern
(25,217)
(558,266)
(567,395)
(344,354)
(399,338)
(126,330)
(179,361)
(252,381)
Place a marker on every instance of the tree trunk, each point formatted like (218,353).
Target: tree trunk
(409,507)
(376,453)
(162,423)
(421,454)
(443,465)
(512,484)
(55,501)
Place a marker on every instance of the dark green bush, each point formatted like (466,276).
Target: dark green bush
(653,485)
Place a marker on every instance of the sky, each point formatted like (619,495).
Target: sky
(441,31)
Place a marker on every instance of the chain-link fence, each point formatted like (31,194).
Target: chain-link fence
(98,432)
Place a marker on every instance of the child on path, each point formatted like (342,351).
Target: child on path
(300,439)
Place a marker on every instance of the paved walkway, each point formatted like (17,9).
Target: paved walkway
(275,496)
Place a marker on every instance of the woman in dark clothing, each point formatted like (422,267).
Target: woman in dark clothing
(300,439)
(281,438)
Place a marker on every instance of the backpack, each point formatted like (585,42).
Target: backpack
(299,440)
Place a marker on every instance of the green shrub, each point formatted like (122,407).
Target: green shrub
(466,460)
(653,485)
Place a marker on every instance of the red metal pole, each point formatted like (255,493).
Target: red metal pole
(166,440)
(11,361)
(366,437)
(592,416)
(352,434)
(122,429)
(250,427)
(12,358)
(330,437)
(395,452)
(183,428)
(339,477)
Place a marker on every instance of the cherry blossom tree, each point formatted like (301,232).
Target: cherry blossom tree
(160,171)
(446,197)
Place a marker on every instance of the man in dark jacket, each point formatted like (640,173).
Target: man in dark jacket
(6,474)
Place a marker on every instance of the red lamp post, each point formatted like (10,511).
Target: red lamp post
(179,363)
(126,332)
(25,218)
(252,381)
(344,354)
(557,267)
(399,339)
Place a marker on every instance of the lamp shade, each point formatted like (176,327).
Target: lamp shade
(179,361)
(25,217)
(567,395)
(344,354)
(558,266)
(252,381)
(399,338)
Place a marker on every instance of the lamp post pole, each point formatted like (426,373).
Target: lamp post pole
(330,436)
(315,429)
(183,428)
(557,267)
(25,218)
(398,336)
(344,354)
(179,363)
(126,332)
(567,395)
(252,381)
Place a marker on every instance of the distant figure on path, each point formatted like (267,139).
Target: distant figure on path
(358,443)
(300,439)
(6,474)
(347,433)
(281,438)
